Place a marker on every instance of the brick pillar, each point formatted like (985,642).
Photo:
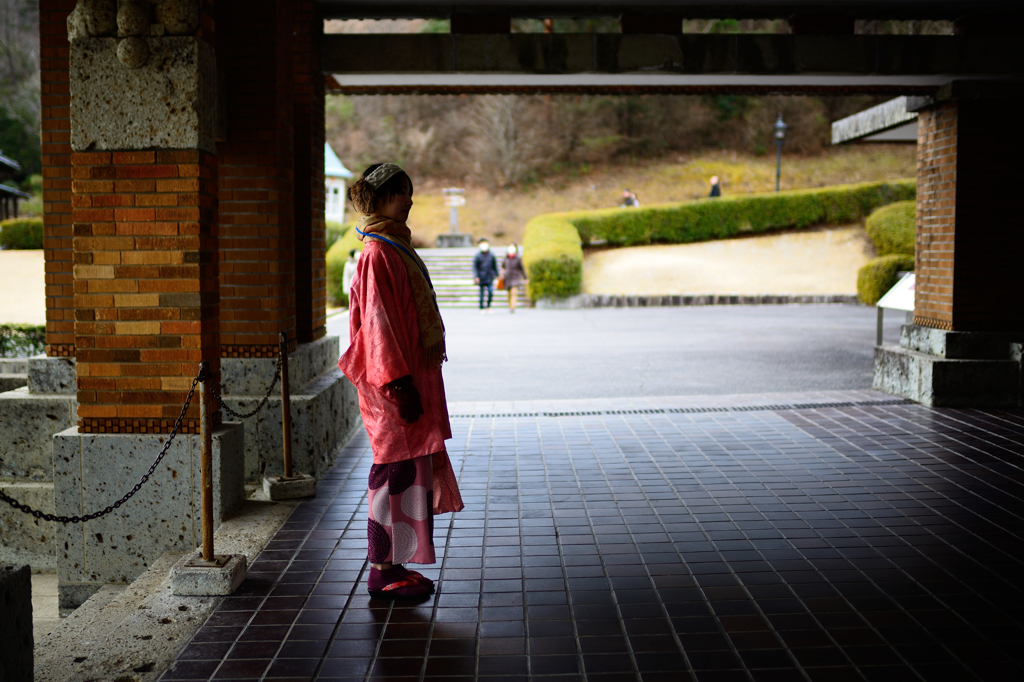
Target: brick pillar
(56,138)
(145,286)
(969,235)
(310,236)
(257,214)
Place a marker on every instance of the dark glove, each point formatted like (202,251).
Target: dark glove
(408,398)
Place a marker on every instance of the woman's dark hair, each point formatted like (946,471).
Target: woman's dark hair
(368,200)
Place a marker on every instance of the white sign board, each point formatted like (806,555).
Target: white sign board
(454,200)
(901,296)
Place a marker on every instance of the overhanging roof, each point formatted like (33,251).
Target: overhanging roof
(877,119)
(684,63)
(717,9)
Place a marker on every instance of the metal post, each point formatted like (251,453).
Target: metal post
(206,460)
(453,219)
(878,330)
(286,412)
(778,163)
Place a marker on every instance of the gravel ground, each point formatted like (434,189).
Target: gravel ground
(815,262)
(23,283)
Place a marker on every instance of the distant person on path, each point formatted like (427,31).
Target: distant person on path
(629,200)
(485,270)
(716,187)
(514,273)
(394,360)
(350,271)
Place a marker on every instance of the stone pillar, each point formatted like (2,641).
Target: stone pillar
(143,110)
(310,236)
(257,214)
(964,347)
(56,138)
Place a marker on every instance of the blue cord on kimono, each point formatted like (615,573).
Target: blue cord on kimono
(399,246)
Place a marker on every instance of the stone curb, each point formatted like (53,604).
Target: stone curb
(682,300)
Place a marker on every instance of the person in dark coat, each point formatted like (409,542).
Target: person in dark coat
(485,270)
(716,188)
(514,274)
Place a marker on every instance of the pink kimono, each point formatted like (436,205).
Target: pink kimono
(385,346)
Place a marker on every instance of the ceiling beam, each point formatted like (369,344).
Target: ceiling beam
(673,55)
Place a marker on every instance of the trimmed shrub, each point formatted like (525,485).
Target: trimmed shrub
(21,340)
(335,231)
(893,228)
(881,274)
(552,245)
(708,219)
(337,256)
(22,233)
(553,257)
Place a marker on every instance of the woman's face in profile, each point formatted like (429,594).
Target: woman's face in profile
(397,207)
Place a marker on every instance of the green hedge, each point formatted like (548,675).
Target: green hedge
(22,233)
(21,340)
(337,256)
(335,231)
(552,245)
(893,228)
(553,257)
(708,219)
(881,274)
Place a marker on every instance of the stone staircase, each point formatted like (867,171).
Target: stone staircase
(451,271)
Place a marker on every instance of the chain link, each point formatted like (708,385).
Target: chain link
(4,497)
(127,496)
(263,403)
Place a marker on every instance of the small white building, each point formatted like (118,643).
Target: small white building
(335,176)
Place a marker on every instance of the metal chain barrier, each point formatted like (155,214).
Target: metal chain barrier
(263,403)
(127,496)
(4,497)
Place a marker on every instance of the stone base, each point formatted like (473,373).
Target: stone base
(951,369)
(91,471)
(281,488)
(52,375)
(26,539)
(192,576)
(27,424)
(324,409)
(9,382)
(455,240)
(16,641)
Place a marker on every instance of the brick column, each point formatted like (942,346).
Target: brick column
(310,235)
(145,286)
(56,139)
(969,236)
(257,214)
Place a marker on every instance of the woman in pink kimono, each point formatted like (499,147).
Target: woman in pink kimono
(394,360)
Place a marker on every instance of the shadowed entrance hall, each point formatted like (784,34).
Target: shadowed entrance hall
(744,538)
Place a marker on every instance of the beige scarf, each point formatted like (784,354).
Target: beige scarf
(431,326)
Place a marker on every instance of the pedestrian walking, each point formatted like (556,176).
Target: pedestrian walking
(394,360)
(349,273)
(485,270)
(716,187)
(514,274)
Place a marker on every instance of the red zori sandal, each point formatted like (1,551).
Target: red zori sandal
(398,583)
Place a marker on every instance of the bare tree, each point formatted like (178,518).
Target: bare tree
(506,145)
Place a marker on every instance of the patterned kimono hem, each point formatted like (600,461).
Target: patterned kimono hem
(401,524)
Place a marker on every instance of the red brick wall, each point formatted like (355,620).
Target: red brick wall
(145,252)
(969,232)
(56,139)
(257,214)
(310,249)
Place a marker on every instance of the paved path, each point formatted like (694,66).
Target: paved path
(629,352)
(717,542)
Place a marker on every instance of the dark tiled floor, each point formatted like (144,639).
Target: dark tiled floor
(853,543)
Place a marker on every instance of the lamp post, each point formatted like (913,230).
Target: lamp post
(780,134)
